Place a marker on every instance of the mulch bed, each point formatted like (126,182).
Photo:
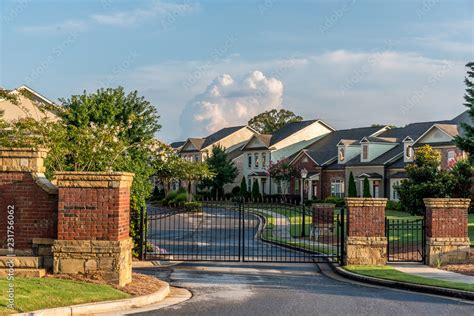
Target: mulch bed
(463,268)
(141,284)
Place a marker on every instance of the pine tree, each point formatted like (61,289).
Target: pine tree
(466,141)
(255,190)
(367,188)
(352,186)
(243,188)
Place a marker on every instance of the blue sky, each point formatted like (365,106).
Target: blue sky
(208,64)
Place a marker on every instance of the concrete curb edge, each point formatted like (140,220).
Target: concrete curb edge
(107,306)
(403,285)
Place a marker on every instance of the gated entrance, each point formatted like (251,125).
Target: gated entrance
(406,240)
(251,232)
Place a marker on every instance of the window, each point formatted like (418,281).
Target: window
(409,152)
(337,188)
(256,160)
(264,160)
(249,158)
(342,154)
(394,192)
(365,152)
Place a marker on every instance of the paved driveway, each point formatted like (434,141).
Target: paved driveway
(290,289)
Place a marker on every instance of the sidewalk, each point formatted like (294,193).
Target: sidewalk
(432,273)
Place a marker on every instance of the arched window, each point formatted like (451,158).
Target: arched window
(409,151)
(342,154)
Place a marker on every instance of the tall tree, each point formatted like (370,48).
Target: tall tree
(352,186)
(243,188)
(367,188)
(223,171)
(466,141)
(270,121)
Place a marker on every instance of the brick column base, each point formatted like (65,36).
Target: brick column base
(366,243)
(447,239)
(111,260)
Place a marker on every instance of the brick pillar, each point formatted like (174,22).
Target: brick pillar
(323,218)
(93,225)
(366,243)
(33,199)
(447,238)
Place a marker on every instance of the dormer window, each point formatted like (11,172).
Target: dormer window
(409,152)
(342,154)
(365,152)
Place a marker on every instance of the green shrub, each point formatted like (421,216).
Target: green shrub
(335,200)
(393,205)
(193,206)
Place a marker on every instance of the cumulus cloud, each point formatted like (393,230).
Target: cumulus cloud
(228,102)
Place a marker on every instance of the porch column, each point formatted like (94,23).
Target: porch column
(310,189)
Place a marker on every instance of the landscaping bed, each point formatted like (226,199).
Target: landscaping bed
(463,268)
(65,290)
(389,273)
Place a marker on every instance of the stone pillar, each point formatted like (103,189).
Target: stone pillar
(447,238)
(93,225)
(33,199)
(323,218)
(366,243)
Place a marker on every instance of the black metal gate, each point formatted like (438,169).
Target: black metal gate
(237,231)
(406,240)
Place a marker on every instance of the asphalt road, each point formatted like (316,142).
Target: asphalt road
(290,289)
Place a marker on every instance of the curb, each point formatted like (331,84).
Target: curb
(403,285)
(107,306)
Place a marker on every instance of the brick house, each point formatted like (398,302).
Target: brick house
(262,149)
(326,174)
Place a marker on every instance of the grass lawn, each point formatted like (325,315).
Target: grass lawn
(35,293)
(389,273)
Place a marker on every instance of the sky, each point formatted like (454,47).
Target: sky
(209,64)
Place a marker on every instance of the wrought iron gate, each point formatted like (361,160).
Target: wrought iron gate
(237,231)
(406,240)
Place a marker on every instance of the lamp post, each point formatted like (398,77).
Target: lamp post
(304,174)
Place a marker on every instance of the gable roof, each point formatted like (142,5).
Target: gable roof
(177,145)
(325,149)
(292,128)
(220,134)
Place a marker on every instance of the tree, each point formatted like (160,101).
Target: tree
(256,190)
(367,188)
(466,141)
(243,188)
(462,173)
(282,171)
(352,186)
(270,121)
(425,179)
(223,169)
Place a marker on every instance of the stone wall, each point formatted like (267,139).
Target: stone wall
(24,187)
(447,238)
(366,243)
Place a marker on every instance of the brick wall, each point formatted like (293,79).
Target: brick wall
(327,177)
(365,217)
(23,186)
(93,206)
(446,218)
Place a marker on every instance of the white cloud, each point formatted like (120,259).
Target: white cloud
(228,102)
(126,18)
(167,12)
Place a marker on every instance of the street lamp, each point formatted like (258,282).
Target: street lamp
(304,174)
